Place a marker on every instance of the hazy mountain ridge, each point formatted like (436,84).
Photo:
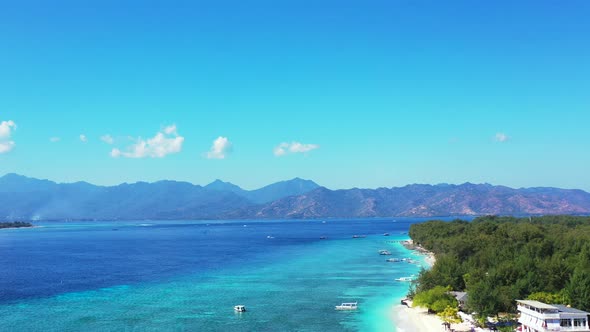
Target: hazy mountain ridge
(23,198)
(428,201)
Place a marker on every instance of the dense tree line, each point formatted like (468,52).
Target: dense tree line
(15,224)
(497,260)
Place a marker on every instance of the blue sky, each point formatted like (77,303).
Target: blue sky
(346,93)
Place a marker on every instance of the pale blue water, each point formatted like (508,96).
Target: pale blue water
(187,276)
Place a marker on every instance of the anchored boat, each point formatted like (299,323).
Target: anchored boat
(405,279)
(347,306)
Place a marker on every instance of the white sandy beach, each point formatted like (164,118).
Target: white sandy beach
(430,259)
(415,319)
(429,256)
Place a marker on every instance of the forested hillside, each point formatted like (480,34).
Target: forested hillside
(500,259)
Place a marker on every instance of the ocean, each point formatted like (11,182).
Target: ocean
(188,275)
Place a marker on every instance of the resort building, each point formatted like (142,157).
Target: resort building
(540,317)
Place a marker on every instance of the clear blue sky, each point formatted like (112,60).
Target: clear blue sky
(361,93)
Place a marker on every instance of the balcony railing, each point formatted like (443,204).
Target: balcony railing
(537,320)
(573,328)
(558,328)
(539,315)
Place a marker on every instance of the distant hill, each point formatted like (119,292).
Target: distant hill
(281,189)
(23,198)
(268,193)
(426,201)
(219,185)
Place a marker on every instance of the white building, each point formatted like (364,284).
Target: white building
(540,317)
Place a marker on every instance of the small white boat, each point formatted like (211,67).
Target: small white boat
(347,306)
(384,252)
(240,308)
(393,260)
(405,279)
(270,237)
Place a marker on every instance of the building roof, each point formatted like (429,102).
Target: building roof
(565,309)
(558,307)
(460,296)
(537,304)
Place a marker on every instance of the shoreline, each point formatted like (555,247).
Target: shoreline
(25,227)
(415,319)
(407,318)
(429,258)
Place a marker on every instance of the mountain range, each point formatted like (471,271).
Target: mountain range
(23,198)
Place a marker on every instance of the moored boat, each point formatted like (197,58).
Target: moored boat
(412,278)
(347,306)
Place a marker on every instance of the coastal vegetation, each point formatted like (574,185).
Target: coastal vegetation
(439,300)
(497,260)
(436,299)
(15,224)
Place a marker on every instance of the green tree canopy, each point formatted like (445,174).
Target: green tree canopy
(497,260)
(450,315)
(435,299)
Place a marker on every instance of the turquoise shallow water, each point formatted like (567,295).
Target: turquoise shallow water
(289,282)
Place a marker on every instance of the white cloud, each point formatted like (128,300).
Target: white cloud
(220,148)
(501,137)
(293,147)
(6,129)
(170,129)
(83,138)
(107,139)
(116,153)
(297,147)
(280,150)
(6,146)
(165,142)
(54,139)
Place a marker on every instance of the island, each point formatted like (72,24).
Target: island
(486,265)
(15,224)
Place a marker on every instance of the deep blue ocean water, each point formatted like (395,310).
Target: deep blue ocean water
(188,275)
